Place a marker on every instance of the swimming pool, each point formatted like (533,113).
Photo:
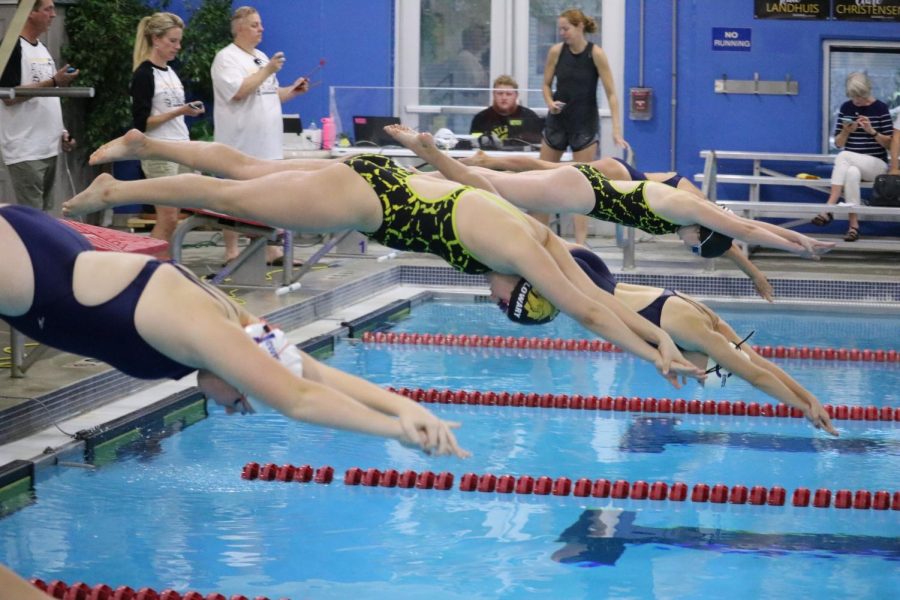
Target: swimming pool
(175,513)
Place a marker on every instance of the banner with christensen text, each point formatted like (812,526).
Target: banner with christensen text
(866,10)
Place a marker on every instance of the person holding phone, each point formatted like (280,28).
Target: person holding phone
(863,132)
(157,102)
(248,100)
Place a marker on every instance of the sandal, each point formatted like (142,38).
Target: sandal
(821,221)
(852,234)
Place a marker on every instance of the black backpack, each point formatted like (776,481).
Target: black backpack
(885,191)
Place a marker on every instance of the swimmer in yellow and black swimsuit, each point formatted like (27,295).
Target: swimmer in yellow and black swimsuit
(414,223)
(625,208)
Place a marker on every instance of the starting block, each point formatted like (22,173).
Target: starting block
(249,268)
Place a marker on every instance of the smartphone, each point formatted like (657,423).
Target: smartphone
(196,105)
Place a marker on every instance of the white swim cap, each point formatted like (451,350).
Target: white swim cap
(274,341)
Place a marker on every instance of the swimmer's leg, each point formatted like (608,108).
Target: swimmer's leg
(207,157)
(322,201)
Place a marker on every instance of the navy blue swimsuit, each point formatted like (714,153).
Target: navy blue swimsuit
(596,269)
(55,318)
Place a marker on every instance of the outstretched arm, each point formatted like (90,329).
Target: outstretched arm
(200,336)
(551,269)
(760,282)
(763,374)
(687,209)
(413,418)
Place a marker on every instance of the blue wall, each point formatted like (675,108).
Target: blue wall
(356,39)
(729,121)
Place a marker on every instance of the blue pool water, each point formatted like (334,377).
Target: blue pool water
(174,512)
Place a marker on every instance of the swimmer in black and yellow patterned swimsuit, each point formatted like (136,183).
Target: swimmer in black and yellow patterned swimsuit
(624,207)
(649,205)
(474,230)
(411,222)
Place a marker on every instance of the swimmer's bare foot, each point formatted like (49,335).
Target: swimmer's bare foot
(127,147)
(479,159)
(92,199)
(420,143)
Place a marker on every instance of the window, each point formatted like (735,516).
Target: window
(468,43)
(879,60)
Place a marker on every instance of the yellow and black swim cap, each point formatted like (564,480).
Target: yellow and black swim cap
(528,307)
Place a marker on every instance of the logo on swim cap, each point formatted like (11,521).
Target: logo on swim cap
(275,342)
(713,243)
(528,307)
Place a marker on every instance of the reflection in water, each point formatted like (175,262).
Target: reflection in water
(651,434)
(601,536)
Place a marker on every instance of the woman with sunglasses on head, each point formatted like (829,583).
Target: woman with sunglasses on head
(705,338)
(155,320)
(648,205)
(473,230)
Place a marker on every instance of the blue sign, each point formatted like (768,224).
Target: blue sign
(731,38)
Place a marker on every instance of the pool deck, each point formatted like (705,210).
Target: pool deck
(348,286)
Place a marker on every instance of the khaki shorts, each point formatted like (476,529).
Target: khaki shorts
(32,182)
(162,168)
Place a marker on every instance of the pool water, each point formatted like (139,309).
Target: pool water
(175,513)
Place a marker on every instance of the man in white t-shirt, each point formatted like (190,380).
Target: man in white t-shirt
(31,129)
(248,98)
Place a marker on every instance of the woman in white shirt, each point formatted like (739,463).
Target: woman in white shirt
(157,101)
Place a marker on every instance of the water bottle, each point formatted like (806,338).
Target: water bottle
(313,135)
(327,133)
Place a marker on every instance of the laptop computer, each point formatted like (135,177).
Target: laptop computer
(369,131)
(524,132)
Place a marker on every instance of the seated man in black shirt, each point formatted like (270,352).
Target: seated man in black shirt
(504,119)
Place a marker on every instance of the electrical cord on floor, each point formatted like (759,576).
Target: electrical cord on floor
(55,424)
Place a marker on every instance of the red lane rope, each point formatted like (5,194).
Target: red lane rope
(584,487)
(643,405)
(82,591)
(580,345)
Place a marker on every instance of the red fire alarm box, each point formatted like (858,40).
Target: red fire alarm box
(640,103)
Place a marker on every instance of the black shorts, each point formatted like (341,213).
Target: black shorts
(560,135)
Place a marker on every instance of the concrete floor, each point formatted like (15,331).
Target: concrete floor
(55,370)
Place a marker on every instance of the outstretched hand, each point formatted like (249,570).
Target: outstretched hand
(430,434)
(675,367)
(813,248)
(764,288)
(818,416)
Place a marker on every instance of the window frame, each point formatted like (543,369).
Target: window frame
(828,46)
(509,54)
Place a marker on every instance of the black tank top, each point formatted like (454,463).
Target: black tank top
(576,85)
